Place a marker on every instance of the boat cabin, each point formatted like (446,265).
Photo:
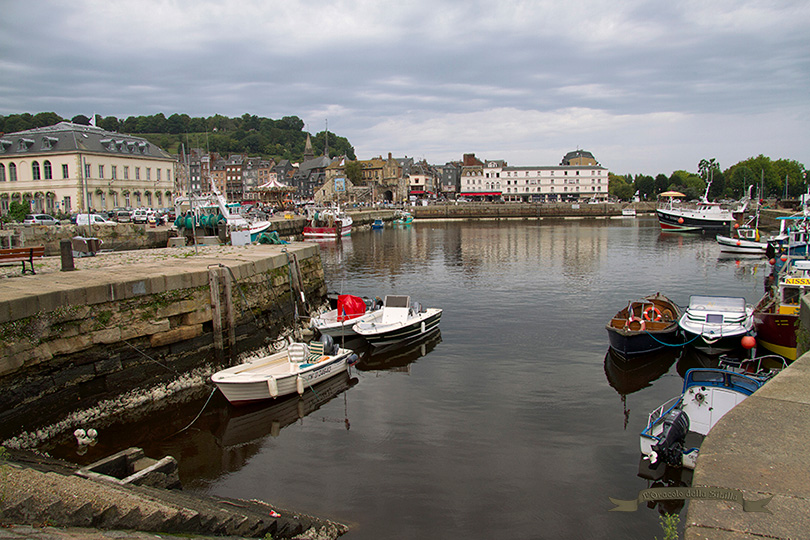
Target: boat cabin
(716,309)
(794,285)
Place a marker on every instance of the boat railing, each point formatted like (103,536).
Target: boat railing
(658,413)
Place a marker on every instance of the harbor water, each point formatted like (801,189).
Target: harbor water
(513,421)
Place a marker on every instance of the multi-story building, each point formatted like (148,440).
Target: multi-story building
(579,176)
(69,167)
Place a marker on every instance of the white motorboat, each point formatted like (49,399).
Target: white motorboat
(398,320)
(676,428)
(293,370)
(339,322)
(716,324)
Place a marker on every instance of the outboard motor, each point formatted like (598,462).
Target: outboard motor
(329,346)
(670,449)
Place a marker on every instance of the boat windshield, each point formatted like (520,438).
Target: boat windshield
(717,303)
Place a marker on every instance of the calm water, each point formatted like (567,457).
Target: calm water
(509,424)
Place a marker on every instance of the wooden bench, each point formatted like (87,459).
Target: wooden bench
(23,255)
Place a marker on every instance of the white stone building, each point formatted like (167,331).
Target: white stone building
(48,167)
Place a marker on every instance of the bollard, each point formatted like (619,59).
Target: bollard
(66,250)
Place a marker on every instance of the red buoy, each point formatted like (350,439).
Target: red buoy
(736,225)
(783,257)
(772,262)
(680,220)
(748,342)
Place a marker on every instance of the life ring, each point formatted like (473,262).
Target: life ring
(634,324)
(652,313)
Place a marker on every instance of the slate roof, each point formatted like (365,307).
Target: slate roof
(69,137)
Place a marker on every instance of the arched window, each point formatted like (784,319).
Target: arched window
(48,170)
(2,173)
(12,172)
(35,170)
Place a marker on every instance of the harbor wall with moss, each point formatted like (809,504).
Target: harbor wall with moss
(71,339)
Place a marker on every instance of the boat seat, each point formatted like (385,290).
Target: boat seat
(298,352)
(315,352)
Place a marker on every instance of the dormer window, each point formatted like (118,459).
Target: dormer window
(49,142)
(108,144)
(5,144)
(119,145)
(25,144)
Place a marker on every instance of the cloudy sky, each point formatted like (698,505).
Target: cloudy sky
(646,86)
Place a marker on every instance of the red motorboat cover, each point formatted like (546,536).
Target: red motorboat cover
(350,307)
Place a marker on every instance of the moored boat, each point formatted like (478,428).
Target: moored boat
(676,428)
(674,216)
(339,322)
(644,326)
(327,224)
(716,324)
(293,370)
(377,224)
(776,316)
(398,320)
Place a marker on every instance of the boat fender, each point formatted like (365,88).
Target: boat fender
(652,313)
(634,324)
(352,359)
(272,386)
(299,385)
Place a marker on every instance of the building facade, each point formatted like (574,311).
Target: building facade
(69,167)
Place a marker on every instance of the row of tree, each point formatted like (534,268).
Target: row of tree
(247,134)
(780,179)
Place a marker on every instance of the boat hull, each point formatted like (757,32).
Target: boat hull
(682,221)
(777,332)
(328,232)
(632,344)
(380,335)
(738,245)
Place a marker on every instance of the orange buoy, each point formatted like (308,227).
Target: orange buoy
(783,257)
(736,225)
(748,342)
(680,220)
(772,262)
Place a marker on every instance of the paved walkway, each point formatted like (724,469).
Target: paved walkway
(760,448)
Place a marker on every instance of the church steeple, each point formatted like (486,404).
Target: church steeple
(308,153)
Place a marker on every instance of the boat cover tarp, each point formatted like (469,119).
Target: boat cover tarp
(350,307)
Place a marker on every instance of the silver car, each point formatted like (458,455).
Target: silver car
(40,219)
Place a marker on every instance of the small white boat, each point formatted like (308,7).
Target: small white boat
(629,212)
(293,370)
(716,324)
(327,224)
(675,429)
(339,322)
(398,320)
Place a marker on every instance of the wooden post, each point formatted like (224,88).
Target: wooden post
(216,307)
(229,311)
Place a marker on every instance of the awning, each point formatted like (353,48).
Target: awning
(417,192)
(481,194)
(672,194)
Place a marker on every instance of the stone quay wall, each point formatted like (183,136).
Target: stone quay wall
(452,210)
(71,339)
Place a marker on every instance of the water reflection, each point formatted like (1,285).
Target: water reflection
(398,357)
(629,376)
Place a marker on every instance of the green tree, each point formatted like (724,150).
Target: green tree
(80,119)
(18,210)
(645,186)
(354,172)
(620,187)
(661,183)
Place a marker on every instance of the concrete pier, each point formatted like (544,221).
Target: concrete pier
(759,448)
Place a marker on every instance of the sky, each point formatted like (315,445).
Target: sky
(648,87)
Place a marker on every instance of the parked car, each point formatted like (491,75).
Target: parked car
(123,216)
(40,219)
(140,215)
(93,219)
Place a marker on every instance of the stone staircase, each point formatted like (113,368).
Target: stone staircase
(31,496)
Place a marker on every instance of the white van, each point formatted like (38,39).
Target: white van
(95,219)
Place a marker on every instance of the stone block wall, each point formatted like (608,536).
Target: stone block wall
(129,336)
